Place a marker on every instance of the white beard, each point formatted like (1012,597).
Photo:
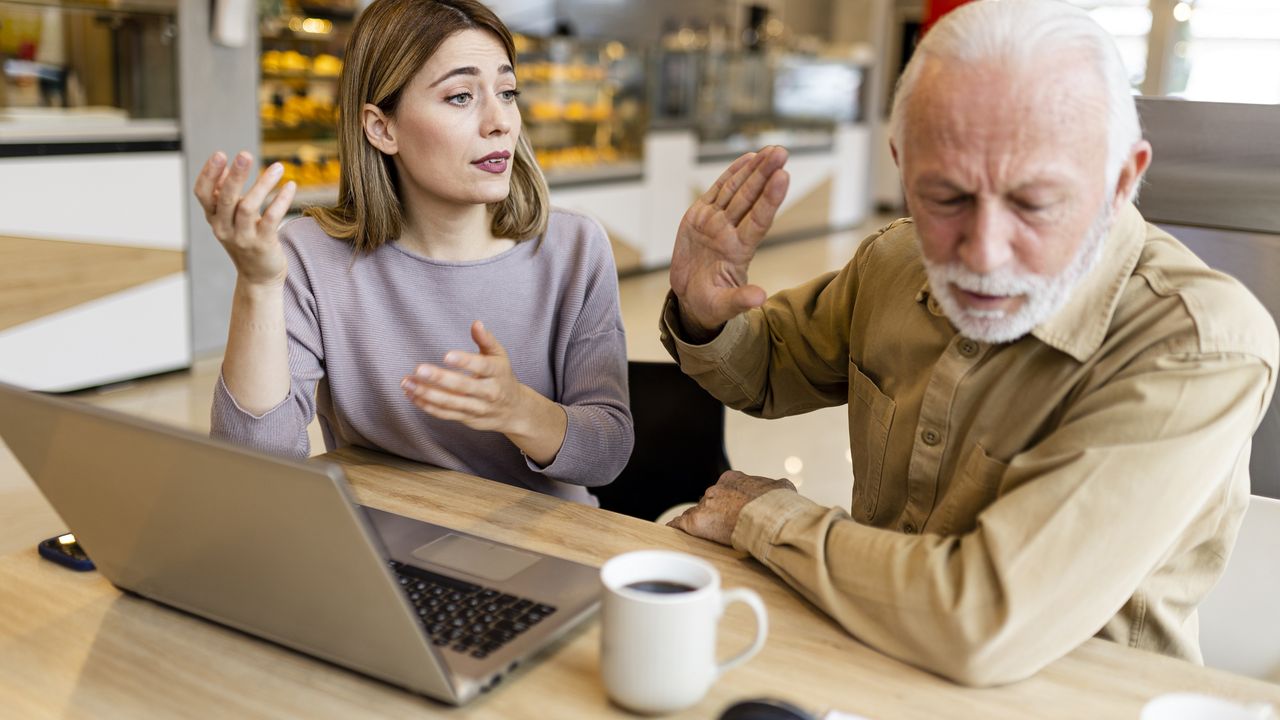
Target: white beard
(1043,296)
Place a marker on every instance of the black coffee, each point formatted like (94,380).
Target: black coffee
(665,587)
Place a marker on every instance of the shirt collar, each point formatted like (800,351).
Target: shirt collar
(1080,326)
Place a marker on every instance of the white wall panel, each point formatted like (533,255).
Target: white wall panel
(132,199)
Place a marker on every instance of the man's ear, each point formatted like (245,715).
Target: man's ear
(1131,173)
(378,129)
(893,150)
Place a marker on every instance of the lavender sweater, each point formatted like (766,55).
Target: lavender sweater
(358,324)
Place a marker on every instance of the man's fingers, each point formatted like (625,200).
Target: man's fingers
(754,187)
(712,192)
(207,181)
(730,186)
(753,227)
(730,303)
(708,220)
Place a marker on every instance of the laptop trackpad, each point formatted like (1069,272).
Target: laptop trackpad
(475,557)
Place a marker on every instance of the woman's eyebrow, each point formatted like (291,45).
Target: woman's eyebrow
(470,70)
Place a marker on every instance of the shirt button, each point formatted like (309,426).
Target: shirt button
(908,528)
(930,437)
(968,348)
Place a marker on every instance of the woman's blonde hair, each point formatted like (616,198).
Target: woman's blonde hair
(391,42)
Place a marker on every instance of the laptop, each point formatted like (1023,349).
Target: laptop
(278,549)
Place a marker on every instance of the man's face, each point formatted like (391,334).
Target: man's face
(1004,173)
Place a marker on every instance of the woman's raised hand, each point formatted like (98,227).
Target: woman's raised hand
(247,231)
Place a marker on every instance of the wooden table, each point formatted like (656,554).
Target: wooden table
(71,645)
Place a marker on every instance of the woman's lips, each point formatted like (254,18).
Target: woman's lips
(496,166)
(494,162)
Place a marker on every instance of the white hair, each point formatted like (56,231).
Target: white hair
(1017,33)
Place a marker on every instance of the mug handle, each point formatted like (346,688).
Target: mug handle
(752,600)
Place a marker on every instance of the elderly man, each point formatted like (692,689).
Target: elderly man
(1050,401)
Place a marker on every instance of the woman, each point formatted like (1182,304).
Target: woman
(441,240)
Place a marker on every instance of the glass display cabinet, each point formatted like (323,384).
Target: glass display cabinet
(87,69)
(582,104)
(301,61)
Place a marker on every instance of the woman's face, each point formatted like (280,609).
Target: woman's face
(453,135)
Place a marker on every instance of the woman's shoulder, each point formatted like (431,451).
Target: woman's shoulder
(304,237)
(570,229)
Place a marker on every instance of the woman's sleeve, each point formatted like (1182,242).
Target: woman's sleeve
(282,430)
(600,434)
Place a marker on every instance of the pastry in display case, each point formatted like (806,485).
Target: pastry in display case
(582,104)
(301,62)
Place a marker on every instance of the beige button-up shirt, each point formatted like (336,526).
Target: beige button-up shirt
(1009,501)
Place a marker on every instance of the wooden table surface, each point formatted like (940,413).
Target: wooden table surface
(71,645)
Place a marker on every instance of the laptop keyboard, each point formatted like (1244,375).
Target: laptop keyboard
(469,619)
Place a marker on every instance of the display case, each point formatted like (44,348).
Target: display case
(93,287)
(741,99)
(76,69)
(300,64)
(583,107)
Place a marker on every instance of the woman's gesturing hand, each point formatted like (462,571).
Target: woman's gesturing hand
(246,231)
(478,390)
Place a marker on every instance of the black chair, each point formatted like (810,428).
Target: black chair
(679,450)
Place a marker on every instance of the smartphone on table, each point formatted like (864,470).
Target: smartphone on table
(64,550)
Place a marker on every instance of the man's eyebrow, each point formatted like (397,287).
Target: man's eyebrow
(937,181)
(470,70)
(1041,183)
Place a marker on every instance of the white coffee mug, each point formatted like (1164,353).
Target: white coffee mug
(660,617)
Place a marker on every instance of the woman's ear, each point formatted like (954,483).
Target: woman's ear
(379,130)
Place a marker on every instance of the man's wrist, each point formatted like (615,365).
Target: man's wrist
(693,331)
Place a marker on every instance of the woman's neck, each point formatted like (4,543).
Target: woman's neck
(448,231)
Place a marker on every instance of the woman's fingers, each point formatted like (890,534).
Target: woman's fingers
(229,186)
(207,181)
(431,376)
(486,340)
(438,397)
(247,210)
(280,205)
(477,365)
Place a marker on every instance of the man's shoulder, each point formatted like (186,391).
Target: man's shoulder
(1220,314)
(891,255)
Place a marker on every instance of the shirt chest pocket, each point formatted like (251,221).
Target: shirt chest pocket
(975,486)
(870,416)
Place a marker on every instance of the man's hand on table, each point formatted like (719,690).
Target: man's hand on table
(716,514)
